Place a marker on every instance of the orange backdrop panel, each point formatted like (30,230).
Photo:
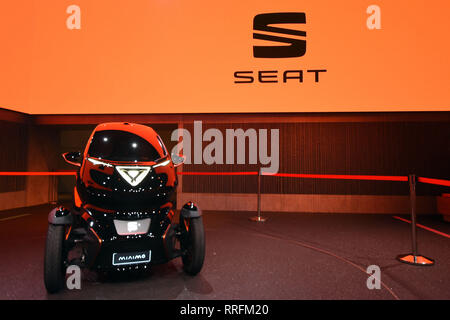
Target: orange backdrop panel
(179,56)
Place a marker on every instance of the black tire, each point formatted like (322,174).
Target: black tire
(54,268)
(192,244)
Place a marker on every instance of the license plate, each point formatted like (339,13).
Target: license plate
(127,258)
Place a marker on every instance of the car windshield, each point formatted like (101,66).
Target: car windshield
(119,145)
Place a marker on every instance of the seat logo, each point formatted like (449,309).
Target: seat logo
(262,23)
(133,174)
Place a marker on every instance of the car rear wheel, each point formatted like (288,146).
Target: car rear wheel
(54,268)
(192,244)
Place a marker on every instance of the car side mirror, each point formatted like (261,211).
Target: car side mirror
(178,160)
(72,158)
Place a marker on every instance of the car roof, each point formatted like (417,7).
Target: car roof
(140,130)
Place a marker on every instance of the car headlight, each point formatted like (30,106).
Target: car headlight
(99,163)
(161,164)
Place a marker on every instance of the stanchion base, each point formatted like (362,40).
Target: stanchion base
(415,260)
(257,219)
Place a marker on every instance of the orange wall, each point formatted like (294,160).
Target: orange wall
(16,21)
(179,56)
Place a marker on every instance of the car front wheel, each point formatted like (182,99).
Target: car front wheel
(54,267)
(192,244)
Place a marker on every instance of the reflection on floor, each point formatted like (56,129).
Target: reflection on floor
(291,256)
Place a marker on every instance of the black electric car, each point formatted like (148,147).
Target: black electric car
(122,215)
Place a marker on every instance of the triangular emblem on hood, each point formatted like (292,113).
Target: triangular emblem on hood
(133,174)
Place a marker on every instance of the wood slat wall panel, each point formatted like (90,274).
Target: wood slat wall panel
(372,148)
(13,154)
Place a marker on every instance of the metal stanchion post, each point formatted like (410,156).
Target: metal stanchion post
(413,258)
(53,189)
(412,199)
(258,218)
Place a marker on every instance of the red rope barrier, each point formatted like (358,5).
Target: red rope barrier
(188,173)
(339,176)
(41,173)
(439,182)
(254,173)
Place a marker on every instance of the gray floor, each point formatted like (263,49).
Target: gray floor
(291,256)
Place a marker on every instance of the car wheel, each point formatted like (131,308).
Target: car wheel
(54,268)
(192,244)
